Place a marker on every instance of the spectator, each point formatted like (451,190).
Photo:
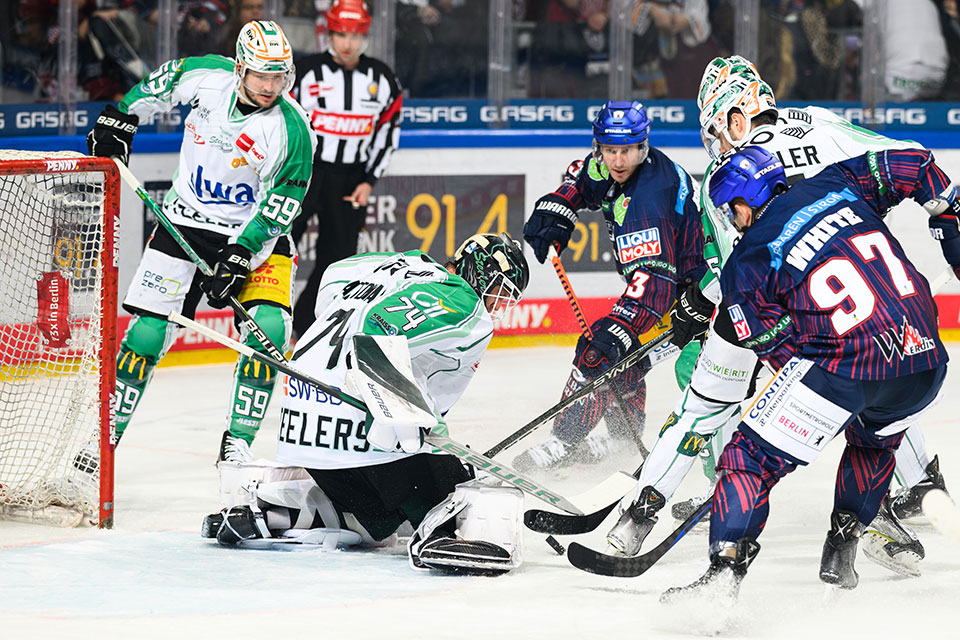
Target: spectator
(672,46)
(241,12)
(950,25)
(915,51)
(571,51)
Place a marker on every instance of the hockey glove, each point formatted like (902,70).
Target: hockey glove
(112,135)
(552,222)
(944,225)
(691,317)
(611,340)
(229,274)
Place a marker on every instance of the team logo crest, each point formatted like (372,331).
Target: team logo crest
(905,342)
(620,209)
(372,89)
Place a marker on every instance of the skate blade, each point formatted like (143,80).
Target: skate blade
(905,563)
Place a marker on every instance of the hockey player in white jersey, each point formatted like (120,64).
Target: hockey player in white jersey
(244,167)
(354,475)
(738,108)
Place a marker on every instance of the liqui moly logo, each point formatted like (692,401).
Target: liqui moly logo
(341,124)
(739,322)
(640,244)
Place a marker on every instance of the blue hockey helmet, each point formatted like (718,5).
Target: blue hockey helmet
(751,173)
(621,123)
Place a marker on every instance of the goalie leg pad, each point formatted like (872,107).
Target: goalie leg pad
(477,528)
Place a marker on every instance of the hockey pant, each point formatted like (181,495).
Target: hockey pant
(621,404)
(792,421)
(166,281)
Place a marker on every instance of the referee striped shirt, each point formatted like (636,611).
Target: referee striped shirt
(355,114)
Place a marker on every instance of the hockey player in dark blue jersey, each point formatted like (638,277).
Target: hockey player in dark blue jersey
(654,225)
(861,355)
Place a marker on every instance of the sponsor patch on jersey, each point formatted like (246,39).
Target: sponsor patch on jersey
(739,322)
(639,244)
(620,209)
(906,341)
(246,143)
(372,89)
(341,124)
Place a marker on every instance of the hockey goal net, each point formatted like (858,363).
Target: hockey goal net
(59,212)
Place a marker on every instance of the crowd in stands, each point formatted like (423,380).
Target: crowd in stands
(807,49)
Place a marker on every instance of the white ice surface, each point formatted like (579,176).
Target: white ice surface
(154,577)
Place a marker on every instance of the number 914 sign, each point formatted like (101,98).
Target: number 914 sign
(437,213)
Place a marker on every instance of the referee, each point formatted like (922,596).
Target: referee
(353,102)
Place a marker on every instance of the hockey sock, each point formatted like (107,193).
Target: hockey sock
(630,392)
(862,480)
(253,380)
(146,341)
(576,422)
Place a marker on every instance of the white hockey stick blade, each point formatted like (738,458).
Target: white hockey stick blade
(943,514)
(613,488)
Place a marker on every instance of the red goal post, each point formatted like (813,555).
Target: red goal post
(59,218)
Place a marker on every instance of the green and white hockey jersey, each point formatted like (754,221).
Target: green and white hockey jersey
(240,175)
(805,140)
(447,329)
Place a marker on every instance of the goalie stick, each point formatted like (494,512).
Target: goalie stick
(246,320)
(387,377)
(603,564)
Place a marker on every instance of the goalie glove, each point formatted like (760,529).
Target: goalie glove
(552,222)
(691,317)
(229,275)
(944,225)
(112,135)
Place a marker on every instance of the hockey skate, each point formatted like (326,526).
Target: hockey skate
(238,524)
(840,551)
(554,453)
(636,523)
(891,544)
(233,449)
(907,503)
(721,582)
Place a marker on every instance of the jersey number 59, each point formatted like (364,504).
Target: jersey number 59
(281,209)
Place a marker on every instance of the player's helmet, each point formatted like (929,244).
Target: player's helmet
(750,95)
(717,72)
(348,16)
(493,265)
(751,173)
(262,47)
(621,123)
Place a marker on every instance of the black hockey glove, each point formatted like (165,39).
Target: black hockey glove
(552,223)
(229,274)
(611,340)
(112,135)
(945,225)
(691,317)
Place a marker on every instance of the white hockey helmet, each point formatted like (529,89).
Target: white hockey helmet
(750,95)
(717,72)
(262,47)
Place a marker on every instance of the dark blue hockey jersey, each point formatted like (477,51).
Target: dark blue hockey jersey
(654,225)
(822,253)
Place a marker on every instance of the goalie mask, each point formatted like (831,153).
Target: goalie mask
(494,266)
(263,50)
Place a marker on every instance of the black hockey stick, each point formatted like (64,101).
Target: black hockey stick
(562,524)
(660,334)
(246,320)
(604,564)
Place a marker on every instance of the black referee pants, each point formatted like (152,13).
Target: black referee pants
(339,226)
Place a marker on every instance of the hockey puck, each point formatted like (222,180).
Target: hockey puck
(555,545)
